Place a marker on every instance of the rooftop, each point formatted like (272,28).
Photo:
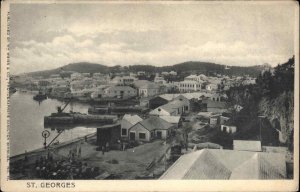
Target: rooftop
(132,119)
(227,164)
(150,86)
(153,123)
(245,145)
(170,119)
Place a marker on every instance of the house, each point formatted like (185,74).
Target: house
(211,87)
(215,106)
(224,119)
(176,107)
(99,92)
(205,115)
(149,129)
(191,78)
(199,78)
(214,119)
(101,78)
(246,145)
(184,101)
(122,92)
(148,90)
(139,83)
(174,73)
(43,83)
(220,164)
(189,86)
(127,122)
(141,73)
(159,80)
(124,80)
(156,102)
(229,128)
(78,85)
(174,120)
(83,93)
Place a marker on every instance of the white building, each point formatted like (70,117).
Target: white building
(149,89)
(228,128)
(127,122)
(159,80)
(173,73)
(189,86)
(211,87)
(176,107)
(122,92)
(124,80)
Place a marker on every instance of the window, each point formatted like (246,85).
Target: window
(124,131)
(186,108)
(142,135)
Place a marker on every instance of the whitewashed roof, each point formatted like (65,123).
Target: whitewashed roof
(245,145)
(170,119)
(132,119)
(227,164)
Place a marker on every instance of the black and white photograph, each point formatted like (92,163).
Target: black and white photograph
(149,90)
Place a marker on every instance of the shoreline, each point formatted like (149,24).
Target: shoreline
(40,151)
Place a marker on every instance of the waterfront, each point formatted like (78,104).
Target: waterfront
(27,122)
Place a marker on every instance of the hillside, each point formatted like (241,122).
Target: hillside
(268,104)
(203,68)
(82,67)
(186,67)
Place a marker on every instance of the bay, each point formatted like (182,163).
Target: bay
(27,122)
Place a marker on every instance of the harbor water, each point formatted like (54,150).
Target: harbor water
(27,122)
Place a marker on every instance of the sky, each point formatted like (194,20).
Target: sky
(47,36)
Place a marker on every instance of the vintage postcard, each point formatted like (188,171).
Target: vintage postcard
(149,95)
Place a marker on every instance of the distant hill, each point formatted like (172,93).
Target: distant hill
(201,68)
(181,68)
(81,67)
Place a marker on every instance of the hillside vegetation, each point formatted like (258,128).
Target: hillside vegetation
(181,68)
(271,98)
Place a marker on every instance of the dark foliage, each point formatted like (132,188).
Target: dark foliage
(183,69)
(270,86)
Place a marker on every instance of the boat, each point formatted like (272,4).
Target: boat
(117,110)
(40,96)
(74,118)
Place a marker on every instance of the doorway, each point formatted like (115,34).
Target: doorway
(132,136)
